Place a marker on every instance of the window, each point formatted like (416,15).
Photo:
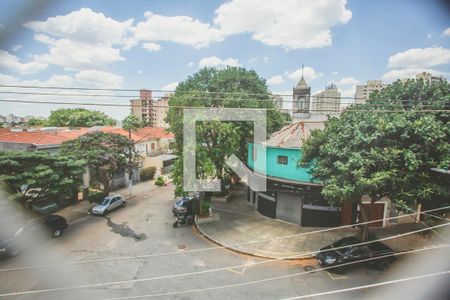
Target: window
(283,160)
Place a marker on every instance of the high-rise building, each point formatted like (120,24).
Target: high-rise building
(425,76)
(363,91)
(327,101)
(150,111)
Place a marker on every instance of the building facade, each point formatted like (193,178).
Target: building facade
(292,195)
(327,101)
(363,91)
(149,110)
(301,98)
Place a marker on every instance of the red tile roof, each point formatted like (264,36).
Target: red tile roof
(41,137)
(154,132)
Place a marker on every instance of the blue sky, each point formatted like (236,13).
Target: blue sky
(155,44)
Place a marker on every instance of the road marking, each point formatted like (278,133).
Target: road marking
(336,277)
(248,263)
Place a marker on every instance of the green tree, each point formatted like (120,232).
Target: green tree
(229,87)
(36,122)
(386,147)
(78,117)
(131,123)
(106,155)
(37,176)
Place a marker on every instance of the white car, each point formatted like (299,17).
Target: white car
(108,204)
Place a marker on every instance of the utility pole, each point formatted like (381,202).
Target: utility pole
(130,168)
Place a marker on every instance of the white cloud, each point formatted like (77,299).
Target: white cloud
(75,56)
(346,81)
(410,73)
(252,60)
(265,59)
(82,39)
(179,29)
(86,26)
(17,48)
(290,24)
(140,72)
(99,79)
(191,64)
(170,87)
(308,73)
(420,58)
(214,61)
(12,63)
(151,47)
(446,32)
(277,79)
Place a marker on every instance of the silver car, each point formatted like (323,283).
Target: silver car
(108,204)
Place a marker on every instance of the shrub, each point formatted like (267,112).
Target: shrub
(96,197)
(204,211)
(148,173)
(159,181)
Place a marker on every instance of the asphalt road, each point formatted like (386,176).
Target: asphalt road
(144,227)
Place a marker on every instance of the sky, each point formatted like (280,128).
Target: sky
(156,44)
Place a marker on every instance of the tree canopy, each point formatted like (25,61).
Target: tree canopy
(106,155)
(386,147)
(38,176)
(78,117)
(131,123)
(230,87)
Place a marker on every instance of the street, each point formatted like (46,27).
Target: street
(144,228)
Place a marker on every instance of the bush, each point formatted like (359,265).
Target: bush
(148,173)
(204,211)
(159,181)
(96,197)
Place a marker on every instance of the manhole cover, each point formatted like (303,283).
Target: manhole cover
(181,247)
(308,268)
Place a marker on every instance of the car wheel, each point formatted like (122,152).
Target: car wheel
(13,252)
(382,265)
(175,224)
(105,212)
(57,233)
(124,203)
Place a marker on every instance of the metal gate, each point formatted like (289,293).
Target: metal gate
(289,207)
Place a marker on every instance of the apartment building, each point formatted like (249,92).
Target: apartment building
(151,111)
(363,91)
(327,101)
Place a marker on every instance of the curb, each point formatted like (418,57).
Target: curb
(205,235)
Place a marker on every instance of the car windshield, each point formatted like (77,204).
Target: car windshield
(105,201)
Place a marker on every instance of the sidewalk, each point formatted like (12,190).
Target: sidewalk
(80,210)
(236,222)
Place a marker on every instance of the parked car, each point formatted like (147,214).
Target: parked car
(182,205)
(45,207)
(108,204)
(28,234)
(344,251)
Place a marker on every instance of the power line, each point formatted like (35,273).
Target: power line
(194,97)
(360,287)
(198,272)
(200,107)
(199,290)
(215,247)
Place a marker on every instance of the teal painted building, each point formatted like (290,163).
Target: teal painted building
(292,195)
(280,162)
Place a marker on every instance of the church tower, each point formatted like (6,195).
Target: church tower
(301,100)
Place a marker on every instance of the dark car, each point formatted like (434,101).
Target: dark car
(345,251)
(16,238)
(182,205)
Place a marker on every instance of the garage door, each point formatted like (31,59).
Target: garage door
(289,207)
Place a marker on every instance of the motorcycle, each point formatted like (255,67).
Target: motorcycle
(183,219)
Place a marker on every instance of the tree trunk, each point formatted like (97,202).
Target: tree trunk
(365,216)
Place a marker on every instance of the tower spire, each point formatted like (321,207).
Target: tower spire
(303,65)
